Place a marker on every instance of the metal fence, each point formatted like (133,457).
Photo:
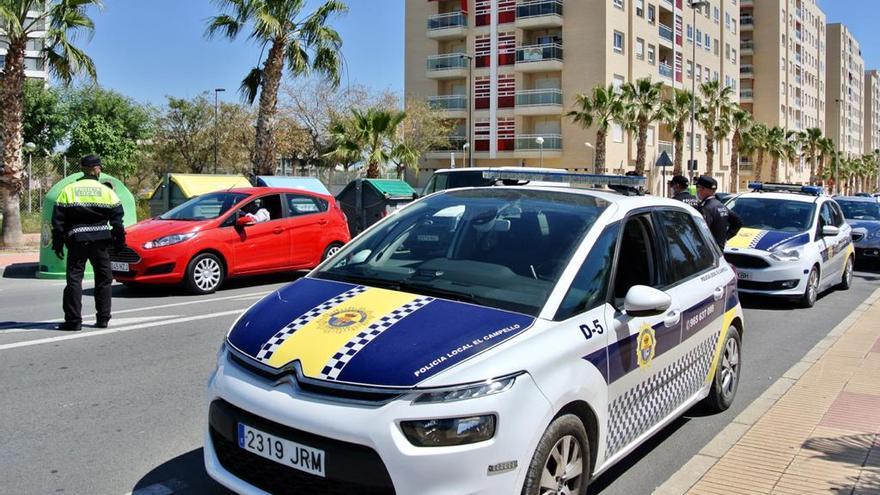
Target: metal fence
(39,175)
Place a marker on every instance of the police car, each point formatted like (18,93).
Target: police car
(479,341)
(794,242)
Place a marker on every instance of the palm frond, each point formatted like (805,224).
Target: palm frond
(224,24)
(250,85)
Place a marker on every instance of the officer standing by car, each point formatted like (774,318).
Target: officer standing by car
(679,185)
(723,223)
(87,219)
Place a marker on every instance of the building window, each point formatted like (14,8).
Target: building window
(698,142)
(618,42)
(708,44)
(717,15)
(717,45)
(617,82)
(618,4)
(640,49)
(616,133)
(651,54)
(652,14)
(690,70)
(690,33)
(699,38)
(640,8)
(699,72)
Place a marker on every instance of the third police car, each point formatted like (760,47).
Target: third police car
(794,242)
(480,341)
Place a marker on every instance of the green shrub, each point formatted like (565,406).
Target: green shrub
(31,223)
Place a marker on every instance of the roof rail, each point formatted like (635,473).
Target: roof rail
(620,183)
(790,188)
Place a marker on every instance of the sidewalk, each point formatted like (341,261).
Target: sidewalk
(816,430)
(28,253)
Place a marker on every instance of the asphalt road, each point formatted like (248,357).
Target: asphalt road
(121,410)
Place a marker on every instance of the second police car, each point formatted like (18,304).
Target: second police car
(794,243)
(480,341)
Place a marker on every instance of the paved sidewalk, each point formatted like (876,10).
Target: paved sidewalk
(13,258)
(816,430)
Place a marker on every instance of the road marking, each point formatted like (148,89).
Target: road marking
(86,334)
(117,322)
(164,488)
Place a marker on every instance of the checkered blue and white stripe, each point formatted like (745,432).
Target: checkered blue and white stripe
(646,404)
(336,363)
(275,342)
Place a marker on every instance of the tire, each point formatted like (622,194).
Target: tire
(567,436)
(204,274)
(847,278)
(332,249)
(811,292)
(727,373)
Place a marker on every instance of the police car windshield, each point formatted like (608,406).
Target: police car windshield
(774,214)
(859,210)
(454,180)
(497,247)
(205,207)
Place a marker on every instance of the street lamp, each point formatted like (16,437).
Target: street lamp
(217,91)
(30,148)
(593,149)
(695,4)
(470,119)
(466,148)
(540,141)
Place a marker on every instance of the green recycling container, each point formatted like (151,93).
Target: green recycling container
(50,266)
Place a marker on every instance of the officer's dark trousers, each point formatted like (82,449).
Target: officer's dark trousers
(97,252)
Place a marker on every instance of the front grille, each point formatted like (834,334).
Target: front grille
(351,469)
(768,286)
(860,252)
(125,255)
(740,260)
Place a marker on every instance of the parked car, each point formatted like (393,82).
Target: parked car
(454,178)
(863,215)
(209,239)
(474,340)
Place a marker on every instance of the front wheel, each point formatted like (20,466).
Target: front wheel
(204,274)
(726,379)
(561,464)
(846,280)
(811,292)
(331,250)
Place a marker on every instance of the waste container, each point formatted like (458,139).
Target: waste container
(366,201)
(176,189)
(50,266)
(307,183)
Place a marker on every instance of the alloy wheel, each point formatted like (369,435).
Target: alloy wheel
(207,274)
(563,469)
(729,368)
(813,286)
(848,275)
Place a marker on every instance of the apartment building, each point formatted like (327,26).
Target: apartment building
(35,53)
(845,91)
(872,111)
(525,61)
(783,48)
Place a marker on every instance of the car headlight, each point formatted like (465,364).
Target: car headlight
(168,240)
(465,392)
(447,432)
(786,255)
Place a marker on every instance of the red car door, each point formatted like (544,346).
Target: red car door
(308,221)
(262,246)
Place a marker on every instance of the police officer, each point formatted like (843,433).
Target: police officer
(723,223)
(88,220)
(679,185)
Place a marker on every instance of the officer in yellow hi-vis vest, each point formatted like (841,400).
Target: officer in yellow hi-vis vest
(88,220)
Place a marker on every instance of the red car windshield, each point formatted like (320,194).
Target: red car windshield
(205,207)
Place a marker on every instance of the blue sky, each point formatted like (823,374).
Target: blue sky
(151,48)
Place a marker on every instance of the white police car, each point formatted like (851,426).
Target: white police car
(480,341)
(794,242)
(454,178)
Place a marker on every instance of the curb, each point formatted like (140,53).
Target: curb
(689,474)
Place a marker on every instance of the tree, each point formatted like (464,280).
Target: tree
(602,108)
(302,42)
(740,123)
(676,112)
(371,135)
(422,130)
(186,133)
(716,99)
(826,149)
(810,140)
(643,99)
(757,142)
(793,151)
(62,20)
(46,117)
(777,147)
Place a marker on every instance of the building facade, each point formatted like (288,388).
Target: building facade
(845,95)
(517,67)
(35,52)
(872,111)
(783,50)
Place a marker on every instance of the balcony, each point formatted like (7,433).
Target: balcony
(668,5)
(746,95)
(454,144)
(747,47)
(747,3)
(528,147)
(453,106)
(447,66)
(539,102)
(747,23)
(665,70)
(539,14)
(539,58)
(452,25)
(747,71)
(666,34)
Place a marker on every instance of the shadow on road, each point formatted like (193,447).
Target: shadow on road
(850,452)
(21,270)
(157,291)
(27,325)
(185,474)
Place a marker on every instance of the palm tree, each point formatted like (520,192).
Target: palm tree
(643,99)
(810,140)
(63,21)
(601,109)
(740,123)
(777,147)
(716,98)
(826,149)
(302,42)
(371,136)
(793,151)
(757,143)
(676,112)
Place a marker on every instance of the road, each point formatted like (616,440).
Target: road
(121,410)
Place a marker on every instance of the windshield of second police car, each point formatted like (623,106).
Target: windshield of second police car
(205,207)
(774,214)
(860,210)
(500,247)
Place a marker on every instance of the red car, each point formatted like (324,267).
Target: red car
(211,237)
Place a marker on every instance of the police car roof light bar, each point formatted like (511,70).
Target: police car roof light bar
(592,180)
(792,188)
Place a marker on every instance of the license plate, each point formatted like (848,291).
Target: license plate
(744,275)
(282,451)
(116,266)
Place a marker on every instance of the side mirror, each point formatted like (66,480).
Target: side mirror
(642,300)
(830,231)
(244,221)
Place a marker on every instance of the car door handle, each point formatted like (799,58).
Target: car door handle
(322,221)
(672,318)
(718,293)
(277,230)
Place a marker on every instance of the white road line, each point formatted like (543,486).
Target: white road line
(86,334)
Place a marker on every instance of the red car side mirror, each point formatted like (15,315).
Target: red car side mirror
(244,221)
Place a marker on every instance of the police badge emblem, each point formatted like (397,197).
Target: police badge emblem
(646,344)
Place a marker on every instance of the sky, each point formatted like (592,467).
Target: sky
(148,49)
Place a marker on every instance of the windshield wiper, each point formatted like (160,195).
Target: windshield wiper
(359,279)
(430,290)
